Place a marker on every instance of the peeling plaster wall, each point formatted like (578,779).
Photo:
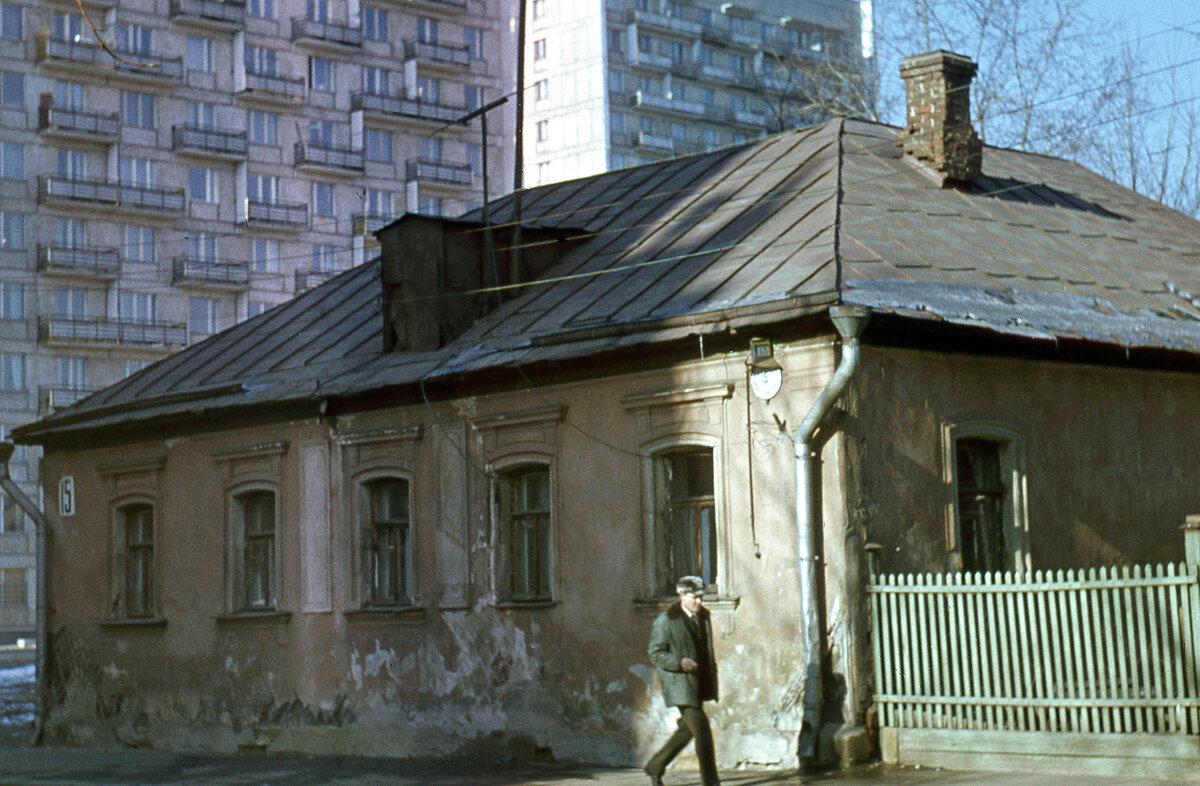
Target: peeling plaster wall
(460,671)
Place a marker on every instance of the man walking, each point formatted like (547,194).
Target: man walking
(681,649)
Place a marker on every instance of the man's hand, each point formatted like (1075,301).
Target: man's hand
(687,664)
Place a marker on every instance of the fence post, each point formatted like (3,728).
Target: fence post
(1191,542)
(1191,558)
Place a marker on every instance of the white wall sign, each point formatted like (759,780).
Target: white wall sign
(66,496)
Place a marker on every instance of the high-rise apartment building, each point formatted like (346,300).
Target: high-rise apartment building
(614,83)
(171,167)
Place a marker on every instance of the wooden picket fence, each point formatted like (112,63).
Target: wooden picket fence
(1101,650)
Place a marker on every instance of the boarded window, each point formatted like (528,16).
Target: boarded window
(980,504)
(525,533)
(386,543)
(685,537)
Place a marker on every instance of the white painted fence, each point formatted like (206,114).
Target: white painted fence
(1101,650)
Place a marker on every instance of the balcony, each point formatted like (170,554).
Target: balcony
(396,106)
(70,331)
(717,73)
(223,15)
(664,144)
(438,6)
(307,279)
(328,159)
(664,24)
(207,274)
(438,172)
(109,196)
(275,90)
(282,215)
(325,35)
(101,263)
(56,397)
(78,126)
(207,143)
(661,104)
(86,59)
(747,118)
(650,60)
(437,54)
(368,224)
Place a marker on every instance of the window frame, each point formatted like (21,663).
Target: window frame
(500,497)
(120,606)
(365,553)
(237,582)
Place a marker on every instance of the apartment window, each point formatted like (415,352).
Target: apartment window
(322,199)
(137,307)
(320,133)
(522,509)
(70,303)
(135,39)
(386,536)
(199,53)
(472,96)
(379,203)
(615,41)
(140,172)
(375,81)
(378,145)
(616,81)
(68,233)
(256,307)
(473,41)
(12,231)
(12,90)
(543,130)
(137,244)
(12,300)
(430,206)
(543,172)
(431,148)
(320,74)
(374,24)
(261,8)
(427,30)
(709,137)
(675,51)
(428,89)
(616,123)
(710,97)
(737,24)
(262,188)
(541,89)
(202,247)
(129,367)
(643,43)
(68,95)
(12,160)
(646,85)
(68,27)
(201,115)
(70,164)
(323,258)
(685,528)
(646,124)
(539,9)
(260,60)
(72,372)
(738,63)
(10,22)
(254,557)
(679,132)
(263,128)
(202,184)
(13,593)
(539,49)
(12,371)
(202,319)
(706,56)
(264,255)
(474,157)
(318,10)
(738,102)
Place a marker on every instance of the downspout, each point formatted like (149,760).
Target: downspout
(849,321)
(43,529)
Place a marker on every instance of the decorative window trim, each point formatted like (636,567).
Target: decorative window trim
(376,436)
(1013,469)
(263,450)
(674,398)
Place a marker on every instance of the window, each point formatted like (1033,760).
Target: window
(72,372)
(137,244)
(379,145)
(709,137)
(68,27)
(675,51)
(199,54)
(320,133)
(543,172)
(133,366)
(375,80)
(318,10)
(322,199)
(539,9)
(202,115)
(261,8)
(202,247)
(474,157)
(137,307)
(68,233)
(472,96)
(430,206)
(541,89)
(989,527)
(646,124)
(738,63)
(647,85)
(70,303)
(710,98)
(379,203)
(135,561)
(12,90)
(12,160)
(70,164)
(68,95)
(539,49)
(522,510)
(263,127)
(323,258)
(254,566)
(202,316)
(256,307)
(679,132)
(264,255)
(136,39)
(10,21)
(615,43)
(260,60)
(427,30)
(428,89)
(13,591)
(262,188)
(685,530)
(138,172)
(320,74)
(616,122)
(386,542)
(12,371)
(202,184)
(374,24)
(543,130)
(12,231)
(643,43)
(12,300)
(473,41)
(431,148)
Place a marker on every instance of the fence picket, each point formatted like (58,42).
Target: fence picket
(1128,668)
(1009,660)
(1094,643)
(954,611)
(1167,652)
(1145,688)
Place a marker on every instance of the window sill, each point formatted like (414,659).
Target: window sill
(409,614)
(252,617)
(134,623)
(525,604)
(659,605)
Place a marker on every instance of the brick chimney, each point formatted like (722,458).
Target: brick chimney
(938,130)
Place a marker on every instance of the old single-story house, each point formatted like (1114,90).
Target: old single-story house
(436,502)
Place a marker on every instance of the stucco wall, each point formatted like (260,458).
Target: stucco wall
(459,671)
(1110,457)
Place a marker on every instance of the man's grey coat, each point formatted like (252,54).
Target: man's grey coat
(669,642)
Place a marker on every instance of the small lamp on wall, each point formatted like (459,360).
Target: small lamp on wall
(766,376)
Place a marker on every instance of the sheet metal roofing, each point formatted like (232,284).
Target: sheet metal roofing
(758,233)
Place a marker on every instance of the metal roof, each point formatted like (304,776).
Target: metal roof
(767,231)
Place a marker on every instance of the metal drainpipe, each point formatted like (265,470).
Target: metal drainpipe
(43,527)
(849,321)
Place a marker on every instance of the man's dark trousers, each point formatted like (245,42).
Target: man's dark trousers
(693,724)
